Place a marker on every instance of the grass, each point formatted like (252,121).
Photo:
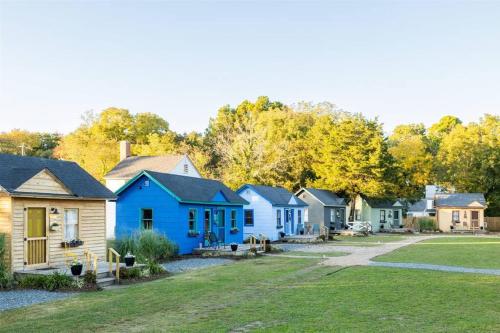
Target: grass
(366,241)
(315,254)
(275,294)
(473,252)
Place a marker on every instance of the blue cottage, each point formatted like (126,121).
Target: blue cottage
(185,209)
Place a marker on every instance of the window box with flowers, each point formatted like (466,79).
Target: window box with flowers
(234,230)
(193,233)
(72,243)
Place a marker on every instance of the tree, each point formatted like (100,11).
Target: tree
(31,143)
(411,151)
(350,155)
(469,159)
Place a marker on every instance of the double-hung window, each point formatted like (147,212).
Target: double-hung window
(233,219)
(147,218)
(455,216)
(382,216)
(248,217)
(299,216)
(332,215)
(70,224)
(192,219)
(278,217)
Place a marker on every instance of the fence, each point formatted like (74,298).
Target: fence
(416,223)
(492,223)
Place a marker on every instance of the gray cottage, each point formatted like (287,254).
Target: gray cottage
(325,209)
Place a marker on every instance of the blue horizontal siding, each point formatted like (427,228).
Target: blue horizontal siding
(170,217)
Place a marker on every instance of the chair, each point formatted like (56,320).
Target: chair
(213,240)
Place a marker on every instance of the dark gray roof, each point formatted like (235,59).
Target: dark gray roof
(192,189)
(458,199)
(15,170)
(418,206)
(277,196)
(380,202)
(328,198)
(131,166)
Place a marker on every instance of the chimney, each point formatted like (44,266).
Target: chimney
(124,150)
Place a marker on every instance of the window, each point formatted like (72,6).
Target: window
(147,218)
(186,169)
(455,216)
(306,215)
(70,224)
(146,183)
(332,215)
(278,218)
(249,217)
(382,216)
(233,219)
(192,219)
(396,215)
(299,216)
(357,215)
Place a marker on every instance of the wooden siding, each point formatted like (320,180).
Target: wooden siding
(444,218)
(91,228)
(42,182)
(6,225)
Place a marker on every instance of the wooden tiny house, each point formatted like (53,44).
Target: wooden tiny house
(47,206)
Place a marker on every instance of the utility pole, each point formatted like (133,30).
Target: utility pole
(22,146)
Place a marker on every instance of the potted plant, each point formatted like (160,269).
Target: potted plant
(76,267)
(234,247)
(129,259)
(234,230)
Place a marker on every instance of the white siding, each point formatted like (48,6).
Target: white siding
(263,218)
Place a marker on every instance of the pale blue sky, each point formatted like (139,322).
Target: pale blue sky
(403,61)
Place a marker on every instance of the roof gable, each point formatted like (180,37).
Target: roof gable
(44,182)
(325,197)
(16,170)
(381,202)
(277,196)
(190,189)
(131,166)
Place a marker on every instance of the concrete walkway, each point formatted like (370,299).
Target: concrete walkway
(361,256)
(455,269)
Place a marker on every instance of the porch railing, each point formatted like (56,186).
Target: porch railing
(262,242)
(112,254)
(90,261)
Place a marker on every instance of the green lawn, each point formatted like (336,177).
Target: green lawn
(274,294)
(463,251)
(315,254)
(366,241)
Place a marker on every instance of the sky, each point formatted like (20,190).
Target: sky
(400,61)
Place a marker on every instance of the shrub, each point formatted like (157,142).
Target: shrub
(6,279)
(147,245)
(154,268)
(51,282)
(132,273)
(90,278)
(426,224)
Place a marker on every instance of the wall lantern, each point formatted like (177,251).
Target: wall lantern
(54,210)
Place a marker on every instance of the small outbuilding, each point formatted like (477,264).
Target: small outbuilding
(189,211)
(271,211)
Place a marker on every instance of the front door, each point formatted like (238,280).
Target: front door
(221,225)
(474,219)
(288,221)
(339,218)
(35,248)
(395,219)
(207,223)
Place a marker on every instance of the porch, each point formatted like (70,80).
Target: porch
(225,250)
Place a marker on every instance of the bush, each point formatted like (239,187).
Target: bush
(51,282)
(132,273)
(147,245)
(90,278)
(426,224)
(6,279)
(154,268)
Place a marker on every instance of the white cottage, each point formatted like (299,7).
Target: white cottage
(129,166)
(271,211)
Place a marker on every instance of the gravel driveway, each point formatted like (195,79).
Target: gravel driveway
(184,265)
(18,298)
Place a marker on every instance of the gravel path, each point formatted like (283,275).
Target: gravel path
(442,268)
(18,298)
(184,265)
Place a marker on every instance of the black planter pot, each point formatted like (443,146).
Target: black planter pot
(234,247)
(76,270)
(282,234)
(129,261)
